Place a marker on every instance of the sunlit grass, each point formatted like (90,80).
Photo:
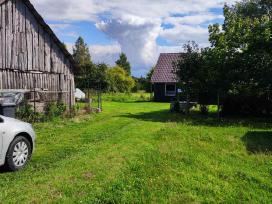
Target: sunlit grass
(141,153)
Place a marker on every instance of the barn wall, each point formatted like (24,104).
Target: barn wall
(29,56)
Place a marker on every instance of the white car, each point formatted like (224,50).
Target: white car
(17,141)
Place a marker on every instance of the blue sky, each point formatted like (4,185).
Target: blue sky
(140,28)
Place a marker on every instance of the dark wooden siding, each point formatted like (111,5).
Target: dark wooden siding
(159,93)
(29,53)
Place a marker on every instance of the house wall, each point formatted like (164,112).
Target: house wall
(159,93)
(29,55)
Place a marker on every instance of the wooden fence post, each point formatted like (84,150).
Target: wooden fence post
(70,97)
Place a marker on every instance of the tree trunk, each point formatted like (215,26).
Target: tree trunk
(218,104)
(187,104)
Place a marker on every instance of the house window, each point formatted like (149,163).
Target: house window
(170,90)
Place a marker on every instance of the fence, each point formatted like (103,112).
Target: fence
(39,100)
(36,99)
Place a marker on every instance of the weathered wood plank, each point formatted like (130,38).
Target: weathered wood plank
(30,55)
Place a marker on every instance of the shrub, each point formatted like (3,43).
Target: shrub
(176,107)
(54,110)
(73,112)
(26,113)
(119,80)
(246,105)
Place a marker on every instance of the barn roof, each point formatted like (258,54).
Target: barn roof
(164,71)
(46,27)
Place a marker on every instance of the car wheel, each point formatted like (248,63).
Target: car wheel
(18,154)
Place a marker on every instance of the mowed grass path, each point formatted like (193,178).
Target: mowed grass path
(141,153)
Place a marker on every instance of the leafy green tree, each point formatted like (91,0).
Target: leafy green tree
(187,70)
(253,8)
(239,62)
(81,55)
(100,76)
(144,83)
(95,77)
(150,73)
(245,42)
(124,63)
(243,49)
(148,84)
(119,80)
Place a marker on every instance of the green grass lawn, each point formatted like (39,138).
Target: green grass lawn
(138,152)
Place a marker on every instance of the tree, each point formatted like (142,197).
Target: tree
(253,8)
(187,70)
(148,84)
(95,77)
(238,66)
(243,49)
(119,80)
(150,73)
(144,83)
(245,41)
(124,63)
(100,76)
(81,55)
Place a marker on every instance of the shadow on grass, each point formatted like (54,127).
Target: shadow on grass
(4,170)
(195,118)
(258,142)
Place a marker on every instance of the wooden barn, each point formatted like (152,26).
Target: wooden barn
(31,56)
(164,80)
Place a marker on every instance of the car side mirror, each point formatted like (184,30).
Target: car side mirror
(1,120)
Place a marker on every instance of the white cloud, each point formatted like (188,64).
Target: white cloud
(136,25)
(169,49)
(194,19)
(137,38)
(180,34)
(60,26)
(72,34)
(64,29)
(89,9)
(105,53)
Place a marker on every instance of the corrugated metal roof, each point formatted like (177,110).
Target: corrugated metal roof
(164,71)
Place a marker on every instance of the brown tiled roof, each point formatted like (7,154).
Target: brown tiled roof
(163,72)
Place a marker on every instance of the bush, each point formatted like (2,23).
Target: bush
(73,112)
(247,106)
(26,113)
(119,80)
(54,110)
(175,107)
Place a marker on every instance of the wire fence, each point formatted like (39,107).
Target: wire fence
(36,101)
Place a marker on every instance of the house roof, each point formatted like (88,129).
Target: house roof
(46,27)
(164,70)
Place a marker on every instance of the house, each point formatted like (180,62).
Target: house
(164,80)
(31,55)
